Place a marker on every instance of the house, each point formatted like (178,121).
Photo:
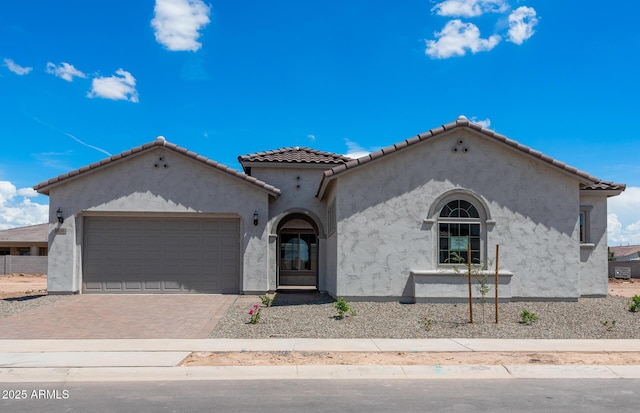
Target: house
(30,240)
(24,249)
(626,252)
(161,219)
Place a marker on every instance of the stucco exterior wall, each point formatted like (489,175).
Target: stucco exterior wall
(332,245)
(136,186)
(383,206)
(593,253)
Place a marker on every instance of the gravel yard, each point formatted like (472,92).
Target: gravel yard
(313,315)
(287,317)
(11,306)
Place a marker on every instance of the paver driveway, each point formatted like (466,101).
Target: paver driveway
(120,316)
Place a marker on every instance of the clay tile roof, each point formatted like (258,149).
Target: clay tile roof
(32,233)
(43,187)
(295,155)
(623,251)
(604,186)
(589,182)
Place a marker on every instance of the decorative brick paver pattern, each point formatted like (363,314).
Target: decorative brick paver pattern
(120,317)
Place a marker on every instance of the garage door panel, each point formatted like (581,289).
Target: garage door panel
(93,286)
(167,255)
(113,286)
(172,285)
(133,286)
(152,285)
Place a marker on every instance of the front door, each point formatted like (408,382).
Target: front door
(298,256)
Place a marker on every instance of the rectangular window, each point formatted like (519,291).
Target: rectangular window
(454,239)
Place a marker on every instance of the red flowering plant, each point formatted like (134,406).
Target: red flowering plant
(254,314)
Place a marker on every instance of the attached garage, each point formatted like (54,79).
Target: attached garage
(161,255)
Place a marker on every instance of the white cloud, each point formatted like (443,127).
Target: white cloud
(16,209)
(484,122)
(623,221)
(354,150)
(456,38)
(177,23)
(16,68)
(521,23)
(469,8)
(64,71)
(121,86)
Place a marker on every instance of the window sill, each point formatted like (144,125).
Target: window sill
(587,246)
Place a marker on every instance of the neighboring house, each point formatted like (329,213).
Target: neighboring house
(31,240)
(626,262)
(161,219)
(626,253)
(24,249)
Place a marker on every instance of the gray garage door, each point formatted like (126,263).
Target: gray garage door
(163,255)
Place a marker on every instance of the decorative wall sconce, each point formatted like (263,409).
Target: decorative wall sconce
(255,217)
(59,215)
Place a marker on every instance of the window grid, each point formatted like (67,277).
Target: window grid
(458,227)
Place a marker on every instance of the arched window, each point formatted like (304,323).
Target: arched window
(458,226)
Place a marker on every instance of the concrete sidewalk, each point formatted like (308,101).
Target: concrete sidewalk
(157,359)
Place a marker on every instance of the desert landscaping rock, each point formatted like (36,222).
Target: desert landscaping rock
(11,306)
(23,292)
(314,316)
(587,318)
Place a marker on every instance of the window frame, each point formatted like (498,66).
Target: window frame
(584,227)
(456,228)
(312,251)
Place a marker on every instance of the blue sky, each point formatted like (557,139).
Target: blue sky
(80,80)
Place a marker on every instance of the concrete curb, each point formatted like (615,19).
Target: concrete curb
(93,374)
(157,360)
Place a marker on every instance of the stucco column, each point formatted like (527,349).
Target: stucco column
(322,259)
(272,263)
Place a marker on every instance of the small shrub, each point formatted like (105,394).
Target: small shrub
(266,300)
(427,323)
(634,304)
(527,317)
(609,325)
(254,314)
(343,307)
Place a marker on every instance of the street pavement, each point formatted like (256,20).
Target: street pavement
(87,360)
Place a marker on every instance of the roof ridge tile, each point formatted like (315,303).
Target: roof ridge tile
(294,154)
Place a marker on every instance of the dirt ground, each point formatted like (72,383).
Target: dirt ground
(20,285)
(263,358)
(624,288)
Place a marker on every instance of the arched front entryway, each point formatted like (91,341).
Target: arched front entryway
(297,258)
